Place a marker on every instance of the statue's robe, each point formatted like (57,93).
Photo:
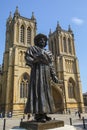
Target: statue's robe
(40,98)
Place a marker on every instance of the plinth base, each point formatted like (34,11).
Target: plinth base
(31,125)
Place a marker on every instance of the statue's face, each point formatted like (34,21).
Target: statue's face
(42,42)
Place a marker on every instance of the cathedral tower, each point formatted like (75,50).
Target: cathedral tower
(61,43)
(20,32)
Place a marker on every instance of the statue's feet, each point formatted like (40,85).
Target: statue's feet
(48,118)
(40,118)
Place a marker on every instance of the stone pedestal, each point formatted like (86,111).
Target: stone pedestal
(32,125)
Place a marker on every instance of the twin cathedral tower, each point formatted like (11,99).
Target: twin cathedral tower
(15,74)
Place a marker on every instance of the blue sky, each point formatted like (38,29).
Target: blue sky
(48,13)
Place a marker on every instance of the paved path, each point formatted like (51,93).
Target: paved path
(78,123)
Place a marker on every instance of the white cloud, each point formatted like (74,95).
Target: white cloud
(77,21)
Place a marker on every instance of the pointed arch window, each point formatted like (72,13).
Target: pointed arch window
(69,46)
(55,47)
(22,34)
(24,87)
(64,44)
(52,47)
(28,35)
(71,91)
(21,90)
(17,32)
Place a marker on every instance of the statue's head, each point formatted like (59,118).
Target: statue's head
(40,40)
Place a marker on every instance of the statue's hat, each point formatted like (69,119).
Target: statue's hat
(39,36)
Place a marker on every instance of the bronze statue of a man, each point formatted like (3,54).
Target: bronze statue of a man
(40,100)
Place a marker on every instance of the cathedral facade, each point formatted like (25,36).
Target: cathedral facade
(15,74)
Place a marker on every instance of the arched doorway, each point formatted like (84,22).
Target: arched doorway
(58,98)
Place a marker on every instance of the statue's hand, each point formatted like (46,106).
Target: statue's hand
(39,56)
(43,58)
(55,79)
